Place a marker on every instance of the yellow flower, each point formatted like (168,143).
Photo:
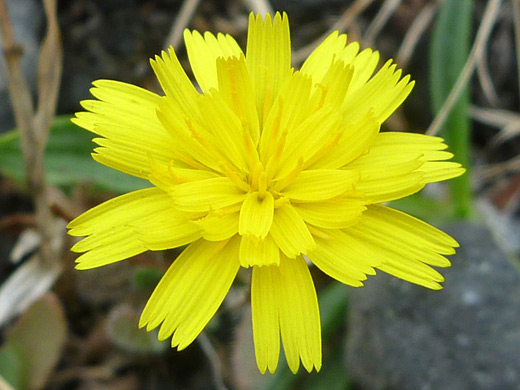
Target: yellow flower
(268,167)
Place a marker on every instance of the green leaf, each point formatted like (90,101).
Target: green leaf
(68,160)
(425,208)
(122,330)
(11,367)
(449,50)
(33,344)
(333,312)
(333,308)
(282,379)
(333,374)
(146,278)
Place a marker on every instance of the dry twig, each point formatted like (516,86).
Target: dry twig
(214,360)
(516,19)
(34,126)
(491,171)
(415,32)
(380,20)
(38,274)
(488,20)
(341,25)
(485,81)
(508,123)
(181,22)
(101,372)
(261,7)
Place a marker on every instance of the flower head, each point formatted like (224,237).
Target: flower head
(265,168)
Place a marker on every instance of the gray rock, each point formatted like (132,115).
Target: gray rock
(27,19)
(466,336)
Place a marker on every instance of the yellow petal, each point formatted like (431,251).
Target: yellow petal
(126,156)
(256,215)
(291,107)
(121,138)
(356,139)
(160,176)
(344,258)
(126,161)
(219,226)
(109,213)
(331,90)
(283,300)
(266,323)
(191,291)
(333,49)
(299,315)
(383,93)
(401,224)
(223,131)
(130,224)
(290,232)
(126,116)
(406,146)
(255,251)
(167,176)
(400,164)
(312,139)
(119,93)
(410,145)
(332,214)
(268,57)
(412,271)
(235,87)
(441,170)
(407,246)
(188,134)
(116,246)
(206,195)
(168,233)
(203,52)
(384,179)
(364,64)
(321,184)
(174,81)
(319,61)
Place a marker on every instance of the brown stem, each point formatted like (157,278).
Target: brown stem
(34,127)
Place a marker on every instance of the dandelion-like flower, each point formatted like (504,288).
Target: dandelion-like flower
(267,168)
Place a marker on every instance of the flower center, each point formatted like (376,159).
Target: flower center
(258,180)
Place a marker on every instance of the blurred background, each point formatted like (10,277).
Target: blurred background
(66,329)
